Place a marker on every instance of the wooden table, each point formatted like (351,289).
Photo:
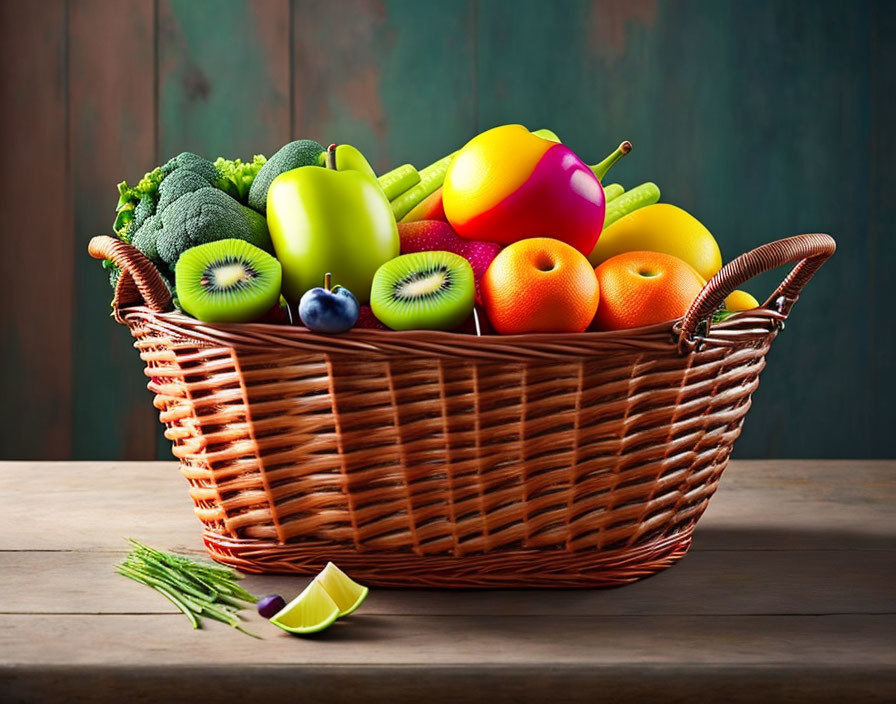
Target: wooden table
(788,594)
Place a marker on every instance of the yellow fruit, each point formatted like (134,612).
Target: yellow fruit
(346,592)
(661,228)
(740,300)
(311,611)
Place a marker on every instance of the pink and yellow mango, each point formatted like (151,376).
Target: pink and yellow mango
(508,184)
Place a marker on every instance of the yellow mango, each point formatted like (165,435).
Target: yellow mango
(661,228)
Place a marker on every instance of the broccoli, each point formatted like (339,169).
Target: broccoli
(304,152)
(235,177)
(145,209)
(191,162)
(207,215)
(129,198)
(139,211)
(144,239)
(180,182)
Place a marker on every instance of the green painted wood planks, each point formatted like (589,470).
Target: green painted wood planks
(764,119)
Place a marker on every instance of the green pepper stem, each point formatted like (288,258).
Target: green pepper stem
(600,170)
(331,157)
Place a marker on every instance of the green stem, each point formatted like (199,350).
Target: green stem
(193,587)
(600,170)
(173,598)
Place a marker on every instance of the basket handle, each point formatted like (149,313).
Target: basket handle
(809,252)
(140,280)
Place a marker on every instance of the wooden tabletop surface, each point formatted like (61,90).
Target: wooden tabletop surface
(788,594)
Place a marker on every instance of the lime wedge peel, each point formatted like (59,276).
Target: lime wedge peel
(310,612)
(347,593)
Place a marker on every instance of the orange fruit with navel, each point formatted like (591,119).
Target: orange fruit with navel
(540,285)
(643,288)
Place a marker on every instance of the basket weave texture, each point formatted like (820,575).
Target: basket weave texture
(443,459)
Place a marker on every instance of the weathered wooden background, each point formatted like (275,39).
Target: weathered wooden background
(764,118)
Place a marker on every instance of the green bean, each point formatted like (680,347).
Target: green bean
(638,197)
(398,180)
(612,191)
(431,178)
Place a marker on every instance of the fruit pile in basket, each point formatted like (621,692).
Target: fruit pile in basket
(512,231)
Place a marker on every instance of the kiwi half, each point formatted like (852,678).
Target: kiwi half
(423,291)
(228,281)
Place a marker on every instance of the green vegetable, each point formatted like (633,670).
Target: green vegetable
(207,215)
(144,239)
(431,177)
(179,183)
(722,314)
(191,162)
(236,178)
(333,219)
(137,203)
(138,214)
(398,180)
(613,190)
(130,196)
(303,152)
(195,588)
(638,197)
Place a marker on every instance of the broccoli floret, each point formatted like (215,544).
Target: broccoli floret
(213,216)
(145,209)
(191,162)
(145,238)
(179,183)
(304,152)
(207,215)
(129,200)
(235,177)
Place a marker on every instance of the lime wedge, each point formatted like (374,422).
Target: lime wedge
(347,593)
(311,611)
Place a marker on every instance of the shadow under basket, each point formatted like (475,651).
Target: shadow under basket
(427,458)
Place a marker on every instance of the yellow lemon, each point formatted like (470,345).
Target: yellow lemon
(740,300)
(661,228)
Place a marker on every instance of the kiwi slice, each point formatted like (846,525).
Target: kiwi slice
(228,281)
(423,291)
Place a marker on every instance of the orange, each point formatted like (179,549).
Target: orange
(642,288)
(540,285)
(661,227)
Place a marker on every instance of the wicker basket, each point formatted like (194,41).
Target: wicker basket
(442,459)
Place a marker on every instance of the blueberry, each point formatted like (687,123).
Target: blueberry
(270,605)
(329,310)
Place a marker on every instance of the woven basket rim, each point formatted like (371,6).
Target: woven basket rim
(740,329)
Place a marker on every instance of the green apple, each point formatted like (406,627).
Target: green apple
(333,218)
